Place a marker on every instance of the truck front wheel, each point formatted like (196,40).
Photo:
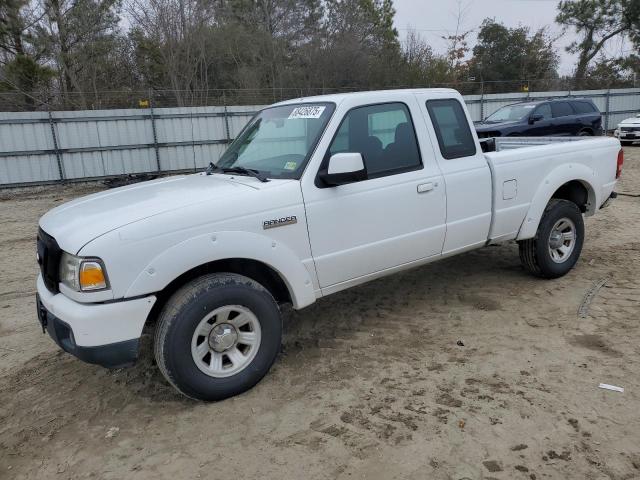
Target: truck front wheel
(558,242)
(218,336)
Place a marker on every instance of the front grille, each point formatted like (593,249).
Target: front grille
(630,129)
(49,254)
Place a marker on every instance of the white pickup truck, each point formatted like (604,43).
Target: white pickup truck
(316,195)
(628,130)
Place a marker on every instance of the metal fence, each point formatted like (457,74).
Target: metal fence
(49,147)
(46,147)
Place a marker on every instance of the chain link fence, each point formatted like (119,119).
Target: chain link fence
(165,98)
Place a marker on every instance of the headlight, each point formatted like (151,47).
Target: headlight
(82,274)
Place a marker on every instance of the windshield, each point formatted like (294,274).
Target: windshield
(278,141)
(510,113)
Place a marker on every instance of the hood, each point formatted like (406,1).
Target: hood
(630,121)
(485,126)
(76,223)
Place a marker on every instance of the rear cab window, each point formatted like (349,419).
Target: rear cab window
(452,128)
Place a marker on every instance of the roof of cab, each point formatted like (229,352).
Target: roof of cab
(372,95)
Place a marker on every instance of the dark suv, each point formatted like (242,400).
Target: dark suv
(543,118)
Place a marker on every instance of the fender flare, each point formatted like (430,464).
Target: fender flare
(193,252)
(549,185)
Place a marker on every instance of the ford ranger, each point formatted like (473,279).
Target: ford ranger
(314,196)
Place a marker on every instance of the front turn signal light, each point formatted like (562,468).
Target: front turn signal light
(92,276)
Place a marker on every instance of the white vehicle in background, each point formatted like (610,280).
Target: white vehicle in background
(316,195)
(628,130)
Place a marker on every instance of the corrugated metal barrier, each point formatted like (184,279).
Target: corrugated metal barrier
(45,147)
(49,147)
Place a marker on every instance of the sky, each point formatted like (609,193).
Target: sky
(435,18)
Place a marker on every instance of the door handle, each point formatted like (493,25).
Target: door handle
(426,187)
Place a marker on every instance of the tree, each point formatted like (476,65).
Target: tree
(19,57)
(597,22)
(171,44)
(77,37)
(458,44)
(612,72)
(360,44)
(283,32)
(421,66)
(512,54)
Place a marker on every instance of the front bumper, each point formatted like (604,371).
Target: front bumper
(105,333)
(628,136)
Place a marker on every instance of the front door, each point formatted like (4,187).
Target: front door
(563,118)
(542,127)
(395,217)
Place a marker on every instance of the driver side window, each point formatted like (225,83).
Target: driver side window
(383,134)
(544,110)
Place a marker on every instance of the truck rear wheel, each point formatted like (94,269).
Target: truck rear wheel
(558,242)
(218,336)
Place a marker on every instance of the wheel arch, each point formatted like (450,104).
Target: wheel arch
(262,273)
(270,263)
(573,182)
(577,191)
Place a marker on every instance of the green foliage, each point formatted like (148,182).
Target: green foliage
(421,67)
(512,53)
(612,72)
(24,72)
(596,22)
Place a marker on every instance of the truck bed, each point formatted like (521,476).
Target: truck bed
(498,144)
(520,165)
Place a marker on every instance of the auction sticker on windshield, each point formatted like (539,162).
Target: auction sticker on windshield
(290,165)
(308,111)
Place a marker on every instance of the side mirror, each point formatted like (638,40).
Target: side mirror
(536,117)
(344,168)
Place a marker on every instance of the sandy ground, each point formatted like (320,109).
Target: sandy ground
(371,382)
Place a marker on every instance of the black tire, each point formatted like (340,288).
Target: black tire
(585,133)
(535,254)
(185,310)
(626,143)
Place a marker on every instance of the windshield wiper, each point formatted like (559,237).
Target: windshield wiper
(212,168)
(239,170)
(246,171)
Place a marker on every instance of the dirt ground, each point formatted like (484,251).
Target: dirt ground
(372,382)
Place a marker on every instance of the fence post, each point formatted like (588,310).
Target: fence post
(153,129)
(607,109)
(56,147)
(481,101)
(226,118)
